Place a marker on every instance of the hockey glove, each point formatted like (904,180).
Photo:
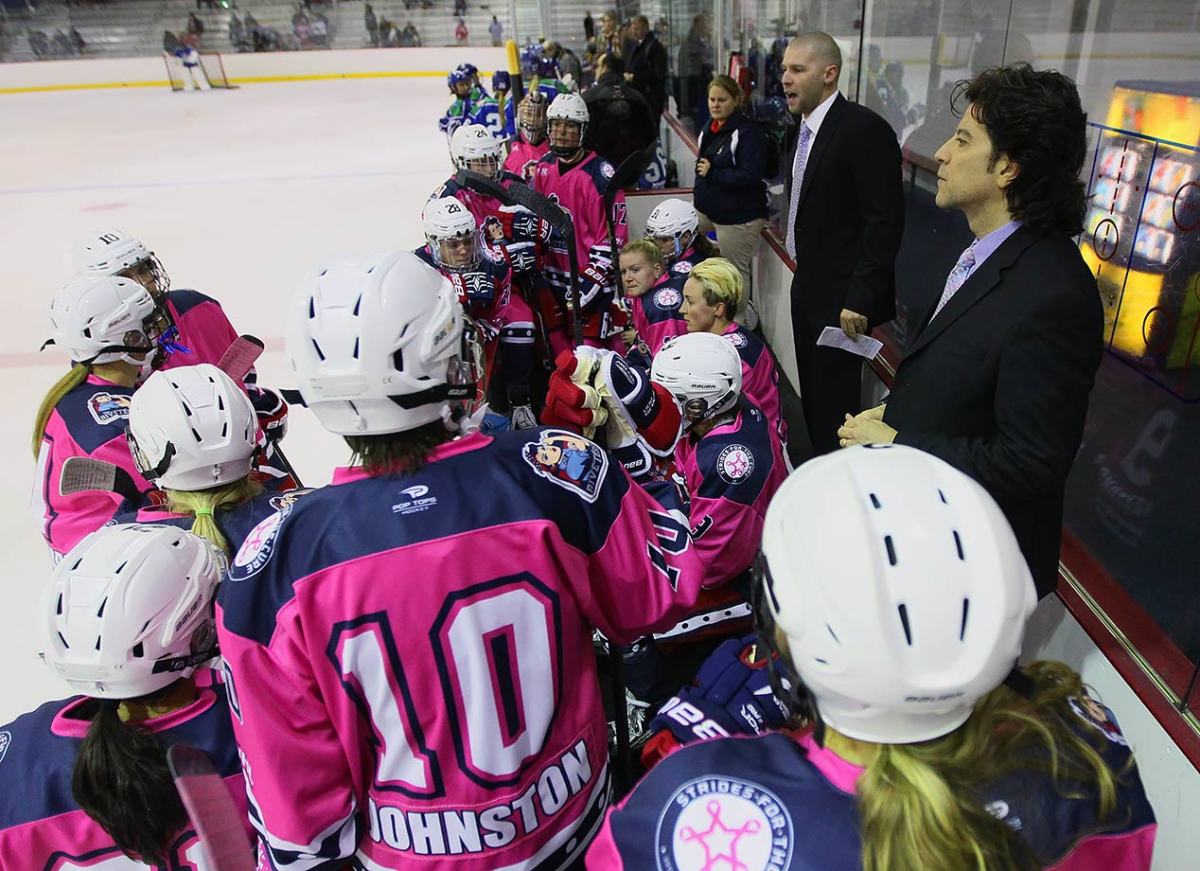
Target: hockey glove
(521,256)
(520,224)
(638,409)
(272,411)
(572,404)
(473,288)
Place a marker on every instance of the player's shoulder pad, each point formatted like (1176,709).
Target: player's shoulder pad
(735,460)
(260,544)
(184,300)
(681,267)
(95,414)
(749,346)
(665,300)
(600,171)
(36,766)
(425,255)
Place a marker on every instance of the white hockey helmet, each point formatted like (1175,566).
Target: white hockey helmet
(103,319)
(899,587)
(191,428)
(378,345)
(447,220)
(676,220)
(130,610)
(566,107)
(702,371)
(109,251)
(473,148)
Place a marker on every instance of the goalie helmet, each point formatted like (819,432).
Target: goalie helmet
(191,428)
(899,587)
(531,117)
(473,148)
(571,108)
(130,610)
(703,372)
(673,220)
(378,346)
(451,233)
(112,252)
(105,320)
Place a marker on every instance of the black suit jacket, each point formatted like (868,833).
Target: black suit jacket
(997,384)
(648,64)
(849,219)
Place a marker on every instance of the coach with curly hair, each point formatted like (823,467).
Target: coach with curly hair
(996,380)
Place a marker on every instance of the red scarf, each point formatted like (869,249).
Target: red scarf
(716,126)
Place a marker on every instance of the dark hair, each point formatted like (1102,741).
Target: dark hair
(613,63)
(121,780)
(1034,118)
(402,453)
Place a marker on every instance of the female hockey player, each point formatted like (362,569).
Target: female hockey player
(531,144)
(448,717)
(110,327)
(672,226)
(712,297)
(199,331)
(84,781)
(194,433)
(919,753)
(483,281)
(579,179)
(654,297)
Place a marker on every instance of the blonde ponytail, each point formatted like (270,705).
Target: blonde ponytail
(203,504)
(64,385)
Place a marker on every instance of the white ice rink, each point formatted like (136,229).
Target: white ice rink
(240,194)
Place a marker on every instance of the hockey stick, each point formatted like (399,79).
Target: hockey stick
(80,474)
(239,358)
(210,807)
(542,207)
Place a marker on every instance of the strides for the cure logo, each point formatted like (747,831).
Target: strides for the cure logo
(720,824)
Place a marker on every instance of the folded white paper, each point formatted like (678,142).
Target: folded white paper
(864,346)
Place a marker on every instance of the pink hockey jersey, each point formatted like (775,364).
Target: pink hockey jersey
(482,207)
(760,376)
(580,189)
(522,156)
(656,314)
(42,828)
(731,474)
(411,655)
(203,329)
(89,421)
(783,802)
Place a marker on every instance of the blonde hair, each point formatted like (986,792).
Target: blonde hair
(647,249)
(64,385)
(720,281)
(203,504)
(919,805)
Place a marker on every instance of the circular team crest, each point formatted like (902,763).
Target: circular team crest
(722,822)
(735,463)
(256,550)
(668,298)
(683,267)
(606,169)
(736,339)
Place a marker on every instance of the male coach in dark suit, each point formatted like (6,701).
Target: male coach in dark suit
(996,381)
(845,218)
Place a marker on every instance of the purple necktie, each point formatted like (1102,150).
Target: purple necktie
(958,275)
(798,165)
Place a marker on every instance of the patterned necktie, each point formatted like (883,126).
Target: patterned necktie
(798,165)
(958,275)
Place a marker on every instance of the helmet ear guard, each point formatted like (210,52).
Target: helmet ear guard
(785,681)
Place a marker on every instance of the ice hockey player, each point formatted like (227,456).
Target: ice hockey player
(712,297)
(531,143)
(193,433)
(127,622)
(473,105)
(110,326)
(202,332)
(654,298)
(924,747)
(451,714)
(194,77)
(672,226)
(578,180)
(483,281)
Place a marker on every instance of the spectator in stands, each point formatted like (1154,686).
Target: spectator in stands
(302,29)
(460,8)
(195,26)
(646,65)
(496,29)
(695,67)
(211,4)
(372,25)
(320,31)
(730,192)
(620,120)
(77,40)
(170,42)
(461,33)
(589,26)
(608,42)
(567,60)
(410,37)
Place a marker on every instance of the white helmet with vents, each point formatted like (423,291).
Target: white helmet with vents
(191,428)
(103,319)
(451,233)
(378,345)
(899,587)
(109,251)
(572,108)
(673,219)
(702,371)
(473,148)
(130,610)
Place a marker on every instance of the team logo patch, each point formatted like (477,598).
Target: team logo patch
(736,339)
(606,169)
(258,547)
(683,267)
(668,298)
(570,461)
(722,822)
(107,407)
(735,464)
(5,740)
(288,499)
(1099,717)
